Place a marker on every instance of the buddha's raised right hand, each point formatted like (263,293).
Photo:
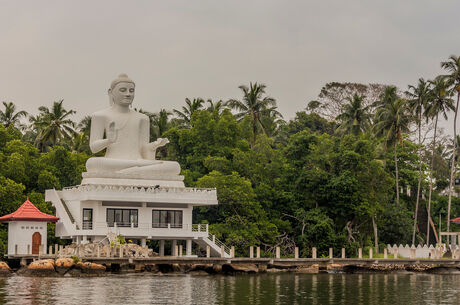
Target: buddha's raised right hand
(112,132)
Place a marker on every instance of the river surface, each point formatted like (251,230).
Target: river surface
(241,289)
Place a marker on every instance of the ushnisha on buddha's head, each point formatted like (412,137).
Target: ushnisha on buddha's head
(121,91)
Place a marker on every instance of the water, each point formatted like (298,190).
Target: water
(241,289)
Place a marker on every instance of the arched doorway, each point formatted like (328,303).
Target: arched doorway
(36,242)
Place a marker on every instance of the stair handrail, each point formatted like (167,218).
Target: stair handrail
(66,208)
(219,243)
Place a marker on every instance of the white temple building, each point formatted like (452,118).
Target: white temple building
(27,230)
(127,191)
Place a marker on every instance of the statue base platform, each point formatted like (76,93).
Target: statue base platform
(110,178)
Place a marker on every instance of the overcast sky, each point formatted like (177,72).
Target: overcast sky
(72,50)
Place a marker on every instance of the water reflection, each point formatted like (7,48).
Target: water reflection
(244,289)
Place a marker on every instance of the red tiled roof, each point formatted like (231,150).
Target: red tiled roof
(456,220)
(28,212)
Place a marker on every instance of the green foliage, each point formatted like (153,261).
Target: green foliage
(321,180)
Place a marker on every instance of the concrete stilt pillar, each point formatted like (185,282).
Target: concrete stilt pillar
(208,251)
(278,252)
(258,252)
(55,249)
(331,253)
(50,250)
(188,247)
(162,247)
(222,251)
(181,250)
(173,247)
(232,252)
(371,253)
(143,242)
(251,252)
(313,252)
(296,252)
(360,253)
(343,252)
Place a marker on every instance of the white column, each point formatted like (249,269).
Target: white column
(162,247)
(143,242)
(188,247)
(173,247)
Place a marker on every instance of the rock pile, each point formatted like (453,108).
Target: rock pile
(96,249)
(60,267)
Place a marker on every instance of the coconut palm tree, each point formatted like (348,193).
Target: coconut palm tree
(9,116)
(85,125)
(418,99)
(391,121)
(272,120)
(254,104)
(453,78)
(53,125)
(215,108)
(355,117)
(161,122)
(184,117)
(439,103)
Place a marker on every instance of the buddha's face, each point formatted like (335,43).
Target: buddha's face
(122,94)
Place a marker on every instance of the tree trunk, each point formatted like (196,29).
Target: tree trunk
(419,175)
(452,166)
(397,176)
(431,181)
(376,238)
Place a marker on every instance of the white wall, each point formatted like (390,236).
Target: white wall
(20,233)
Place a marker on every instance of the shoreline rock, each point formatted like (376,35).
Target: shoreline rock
(68,267)
(5,270)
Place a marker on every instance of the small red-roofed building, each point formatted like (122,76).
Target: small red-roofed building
(27,230)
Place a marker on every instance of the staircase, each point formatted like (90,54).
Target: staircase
(215,246)
(62,210)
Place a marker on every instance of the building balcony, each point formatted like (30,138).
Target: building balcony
(145,230)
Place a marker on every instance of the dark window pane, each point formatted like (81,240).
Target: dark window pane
(125,216)
(110,215)
(133,216)
(118,215)
(156,218)
(163,218)
(179,218)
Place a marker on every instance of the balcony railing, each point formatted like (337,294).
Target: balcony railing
(167,225)
(201,228)
(122,224)
(87,225)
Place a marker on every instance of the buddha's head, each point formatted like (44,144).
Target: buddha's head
(121,91)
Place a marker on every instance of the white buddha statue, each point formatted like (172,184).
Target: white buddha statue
(125,134)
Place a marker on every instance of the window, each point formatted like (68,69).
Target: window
(87,219)
(161,218)
(123,217)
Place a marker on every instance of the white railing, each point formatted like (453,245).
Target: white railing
(199,228)
(138,189)
(220,244)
